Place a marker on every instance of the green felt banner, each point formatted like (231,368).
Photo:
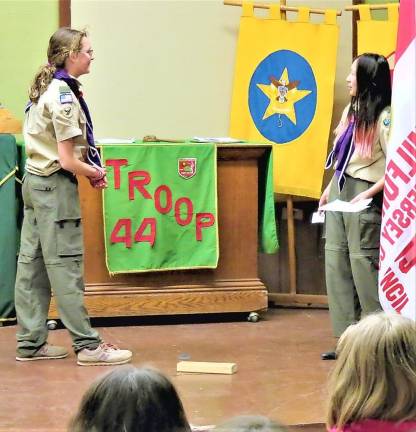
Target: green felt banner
(8,225)
(160,207)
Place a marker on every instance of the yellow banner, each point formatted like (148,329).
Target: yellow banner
(283,93)
(374,36)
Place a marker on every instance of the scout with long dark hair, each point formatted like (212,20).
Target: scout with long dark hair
(359,154)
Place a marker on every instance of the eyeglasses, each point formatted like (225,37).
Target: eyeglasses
(90,52)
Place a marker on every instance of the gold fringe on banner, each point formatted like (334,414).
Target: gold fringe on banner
(5,178)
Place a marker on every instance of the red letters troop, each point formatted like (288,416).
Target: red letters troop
(163,202)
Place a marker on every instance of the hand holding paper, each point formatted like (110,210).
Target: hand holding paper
(360,197)
(344,206)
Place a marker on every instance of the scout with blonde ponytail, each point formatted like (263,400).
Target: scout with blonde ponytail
(61,44)
(59,144)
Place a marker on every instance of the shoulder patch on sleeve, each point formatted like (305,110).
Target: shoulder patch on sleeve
(67,110)
(65,95)
(64,89)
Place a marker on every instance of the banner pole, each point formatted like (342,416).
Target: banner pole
(291,242)
(355,6)
(282,5)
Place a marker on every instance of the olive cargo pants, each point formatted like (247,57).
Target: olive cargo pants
(51,258)
(351,257)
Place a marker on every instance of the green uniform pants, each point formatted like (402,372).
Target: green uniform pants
(351,257)
(51,258)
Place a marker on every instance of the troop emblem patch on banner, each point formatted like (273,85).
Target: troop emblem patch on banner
(187,167)
(282,96)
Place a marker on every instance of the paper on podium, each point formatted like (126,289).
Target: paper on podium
(115,140)
(219,140)
(345,206)
(8,123)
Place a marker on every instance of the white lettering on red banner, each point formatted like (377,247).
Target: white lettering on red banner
(397,275)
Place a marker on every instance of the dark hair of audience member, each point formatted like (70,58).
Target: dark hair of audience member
(130,399)
(249,424)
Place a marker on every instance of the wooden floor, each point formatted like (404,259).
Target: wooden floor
(280,374)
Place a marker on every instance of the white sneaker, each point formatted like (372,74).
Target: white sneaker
(104,355)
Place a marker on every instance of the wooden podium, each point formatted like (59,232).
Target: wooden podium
(234,286)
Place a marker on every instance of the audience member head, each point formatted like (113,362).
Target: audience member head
(375,374)
(130,399)
(249,424)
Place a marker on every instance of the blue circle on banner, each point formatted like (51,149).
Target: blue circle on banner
(284,110)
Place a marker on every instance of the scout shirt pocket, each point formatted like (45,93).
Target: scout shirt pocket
(68,219)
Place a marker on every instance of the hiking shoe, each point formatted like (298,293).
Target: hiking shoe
(104,355)
(45,352)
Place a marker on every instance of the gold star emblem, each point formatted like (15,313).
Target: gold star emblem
(283,95)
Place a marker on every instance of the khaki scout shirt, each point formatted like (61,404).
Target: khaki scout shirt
(56,117)
(371,170)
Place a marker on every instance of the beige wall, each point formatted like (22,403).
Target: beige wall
(23,47)
(166,67)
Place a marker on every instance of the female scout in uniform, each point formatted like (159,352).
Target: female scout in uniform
(59,144)
(352,239)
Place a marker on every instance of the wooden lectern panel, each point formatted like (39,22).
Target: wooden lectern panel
(233,286)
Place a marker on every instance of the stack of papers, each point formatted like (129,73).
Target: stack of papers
(202,428)
(115,140)
(345,206)
(224,140)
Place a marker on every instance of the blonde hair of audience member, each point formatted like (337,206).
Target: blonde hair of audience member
(131,399)
(249,424)
(375,374)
